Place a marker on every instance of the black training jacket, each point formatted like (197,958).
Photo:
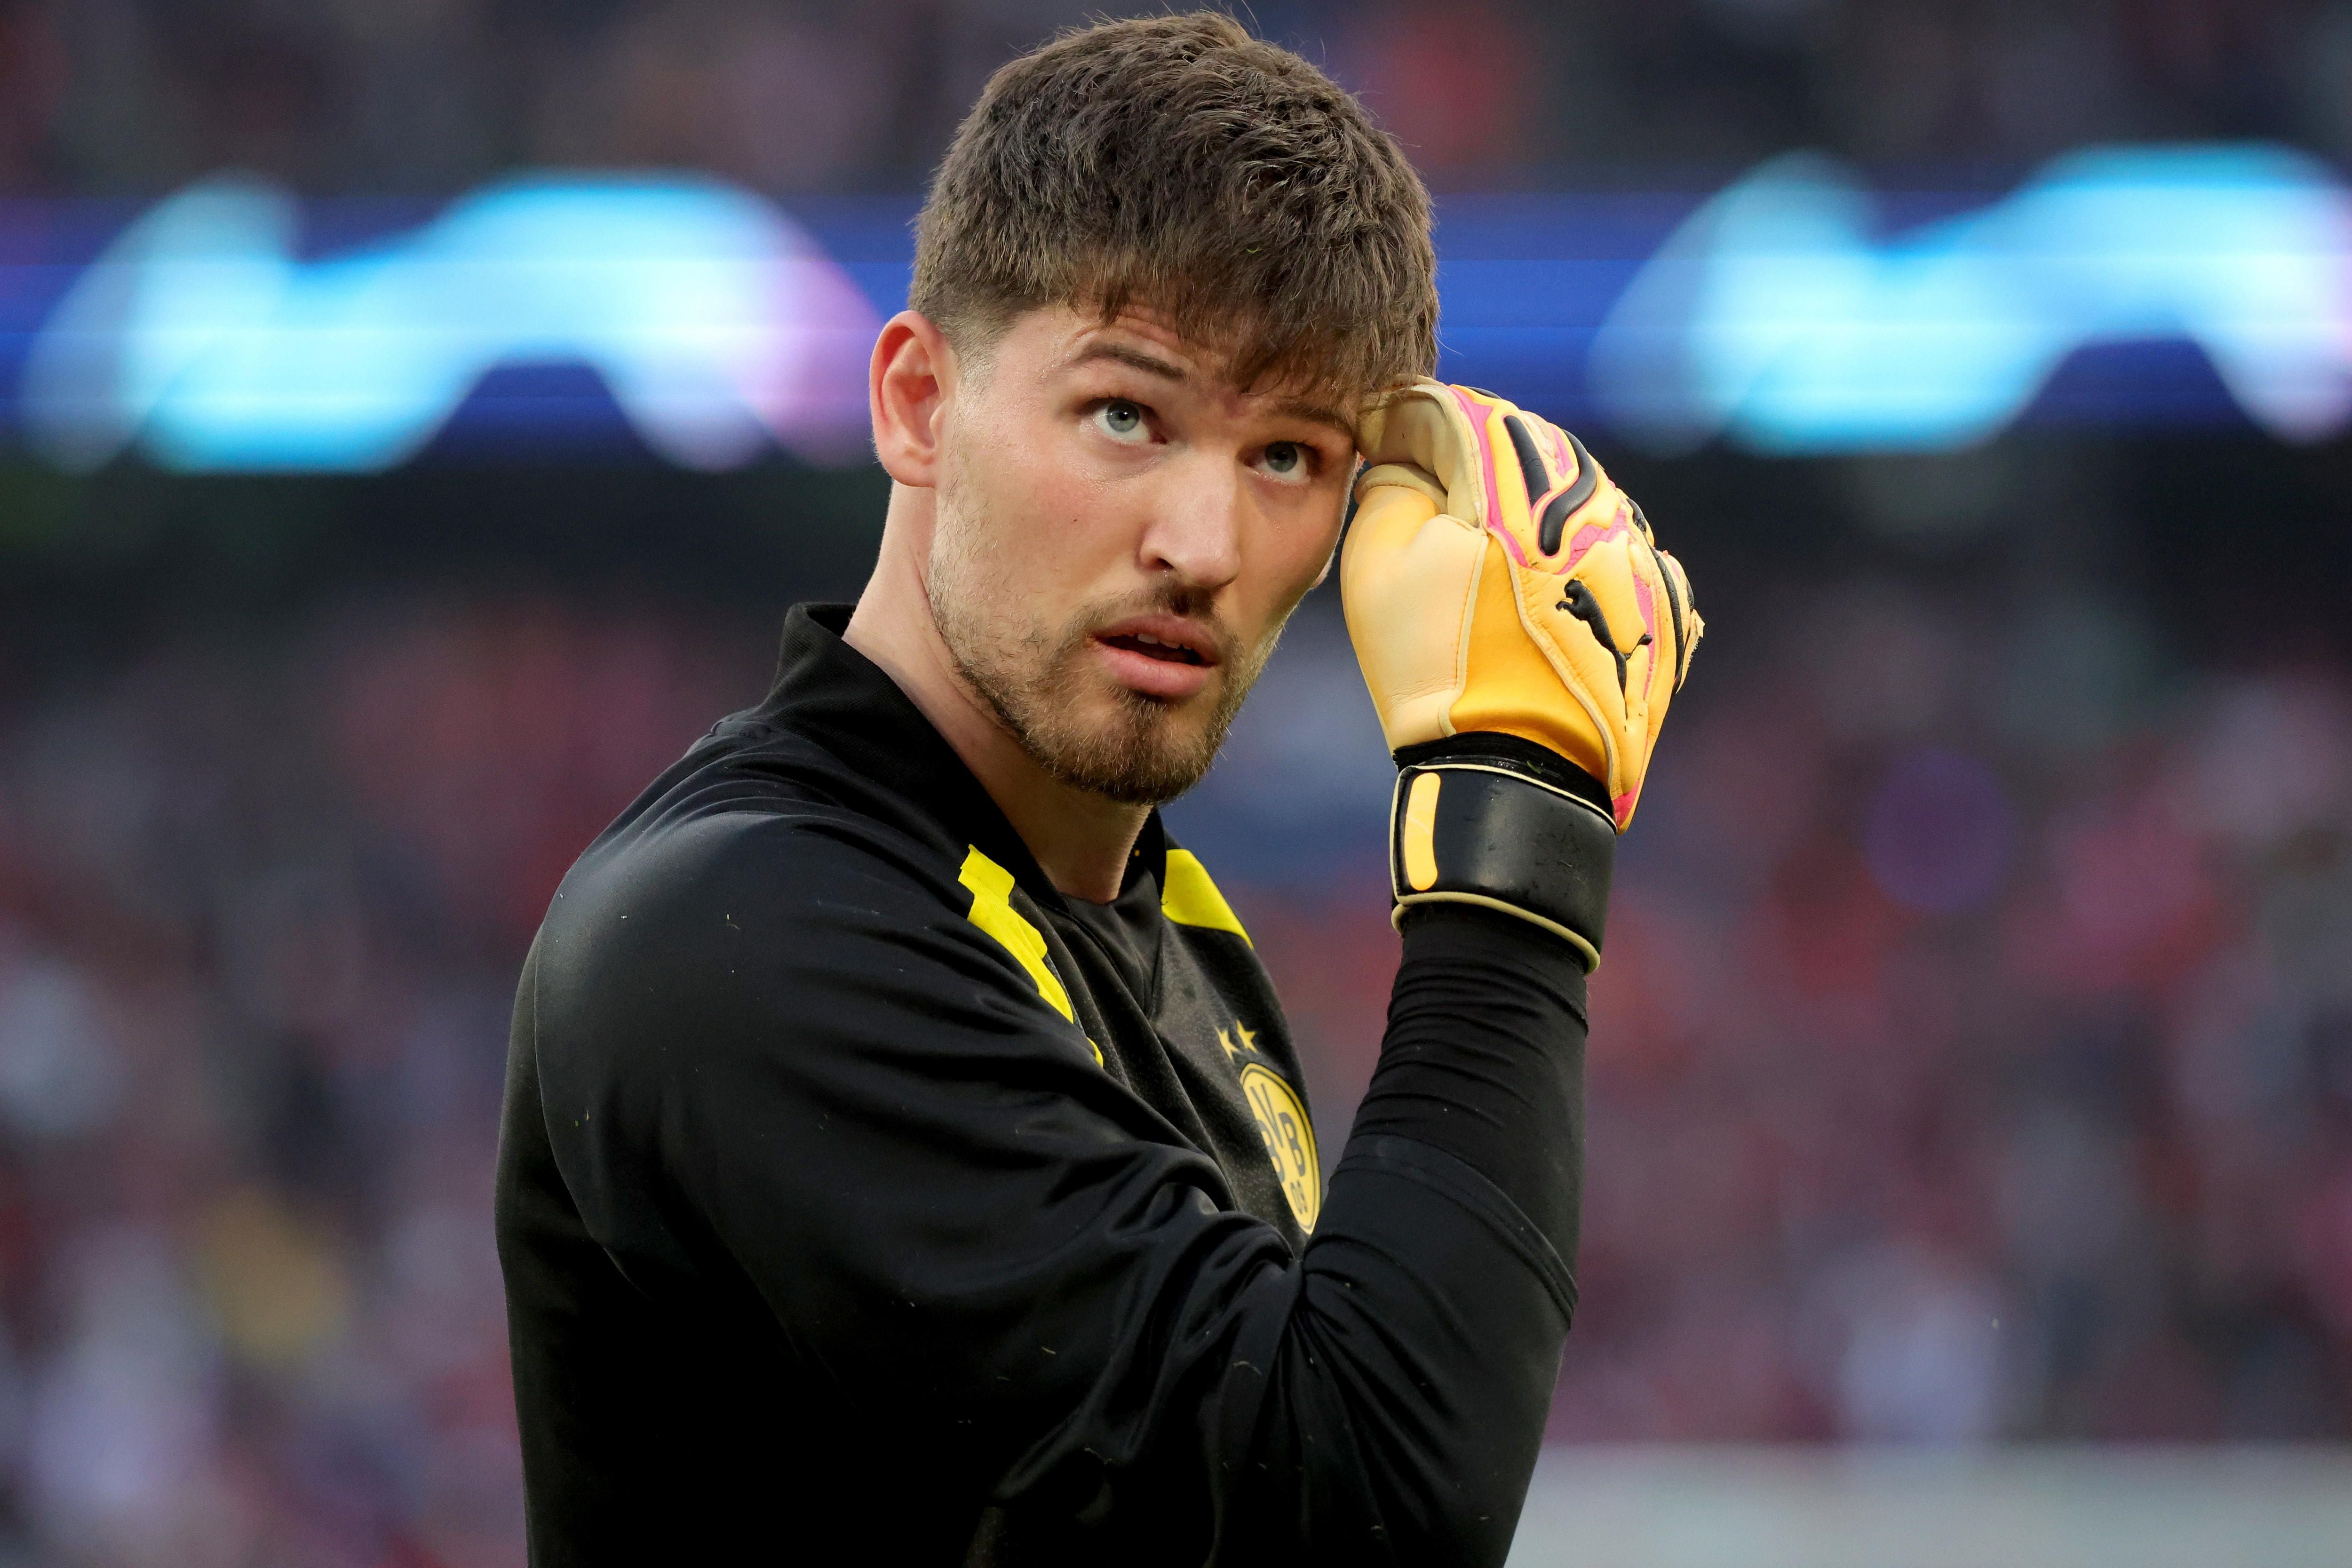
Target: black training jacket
(862,1198)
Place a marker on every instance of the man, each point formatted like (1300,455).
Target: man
(905,1158)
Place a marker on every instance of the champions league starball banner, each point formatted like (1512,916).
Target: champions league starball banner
(231,328)
(227,330)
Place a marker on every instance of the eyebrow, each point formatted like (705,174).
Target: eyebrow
(1299,408)
(1134,359)
(1152,365)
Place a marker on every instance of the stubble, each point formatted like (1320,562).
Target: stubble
(1036,673)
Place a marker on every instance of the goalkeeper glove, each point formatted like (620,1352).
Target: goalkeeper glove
(1522,634)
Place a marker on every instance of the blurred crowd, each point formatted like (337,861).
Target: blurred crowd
(1972,1054)
(1972,1057)
(136,96)
(260,911)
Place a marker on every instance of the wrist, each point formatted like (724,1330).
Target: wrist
(1495,821)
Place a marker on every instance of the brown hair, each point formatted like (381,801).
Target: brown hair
(1178,163)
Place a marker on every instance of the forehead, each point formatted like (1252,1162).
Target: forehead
(1075,332)
(1062,342)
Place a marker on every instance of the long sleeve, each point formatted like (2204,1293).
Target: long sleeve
(781,1069)
(1409,1386)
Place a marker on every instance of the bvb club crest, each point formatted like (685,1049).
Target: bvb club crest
(1289,1140)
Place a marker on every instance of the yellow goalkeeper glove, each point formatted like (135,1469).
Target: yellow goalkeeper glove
(1512,614)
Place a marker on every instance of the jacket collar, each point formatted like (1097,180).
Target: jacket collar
(828,692)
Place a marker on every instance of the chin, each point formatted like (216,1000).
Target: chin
(1131,747)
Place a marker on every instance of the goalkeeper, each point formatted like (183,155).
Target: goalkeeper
(905,1160)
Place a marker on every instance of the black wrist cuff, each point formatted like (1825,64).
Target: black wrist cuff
(1501,821)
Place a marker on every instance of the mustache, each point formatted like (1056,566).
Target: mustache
(1194,605)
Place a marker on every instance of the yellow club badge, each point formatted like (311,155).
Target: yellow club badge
(1289,1140)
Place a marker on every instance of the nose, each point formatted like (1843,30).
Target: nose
(1195,532)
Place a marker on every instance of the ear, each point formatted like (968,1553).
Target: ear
(908,387)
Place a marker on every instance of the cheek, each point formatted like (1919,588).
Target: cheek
(1002,499)
(1061,526)
(1291,552)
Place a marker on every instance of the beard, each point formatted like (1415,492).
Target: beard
(1040,679)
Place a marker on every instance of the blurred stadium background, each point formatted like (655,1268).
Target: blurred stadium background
(414,416)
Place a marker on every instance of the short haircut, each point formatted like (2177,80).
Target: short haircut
(1179,165)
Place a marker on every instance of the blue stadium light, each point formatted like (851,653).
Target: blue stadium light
(715,323)
(1772,316)
(1776,315)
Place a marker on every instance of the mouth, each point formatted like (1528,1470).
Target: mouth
(1151,647)
(1165,657)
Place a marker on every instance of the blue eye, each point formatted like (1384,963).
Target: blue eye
(1121,418)
(1284,458)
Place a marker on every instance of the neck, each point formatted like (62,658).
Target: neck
(1081,839)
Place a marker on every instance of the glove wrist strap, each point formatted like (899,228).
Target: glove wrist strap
(1504,823)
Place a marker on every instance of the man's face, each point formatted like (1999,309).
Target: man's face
(1120,535)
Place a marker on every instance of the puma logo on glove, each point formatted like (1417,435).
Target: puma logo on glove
(1514,619)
